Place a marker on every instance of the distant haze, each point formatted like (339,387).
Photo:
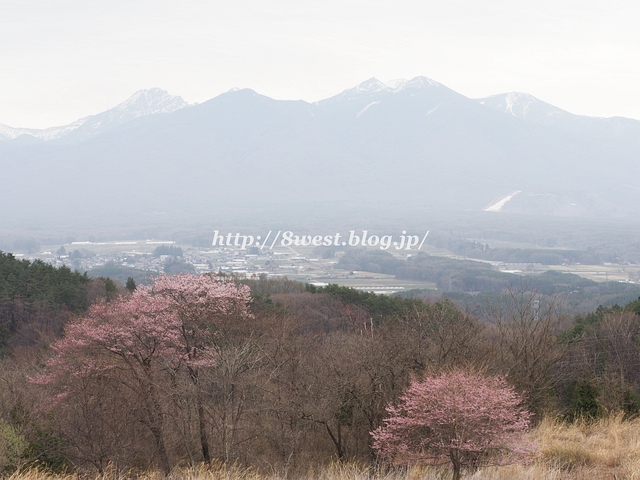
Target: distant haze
(409,148)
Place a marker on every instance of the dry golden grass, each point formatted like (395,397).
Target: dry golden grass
(604,449)
(600,449)
(608,449)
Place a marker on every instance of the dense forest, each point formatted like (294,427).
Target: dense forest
(270,372)
(36,300)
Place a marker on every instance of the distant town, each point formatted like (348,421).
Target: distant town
(165,256)
(319,266)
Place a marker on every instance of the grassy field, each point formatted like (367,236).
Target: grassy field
(606,449)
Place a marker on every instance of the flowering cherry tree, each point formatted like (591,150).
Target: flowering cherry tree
(165,327)
(201,304)
(459,418)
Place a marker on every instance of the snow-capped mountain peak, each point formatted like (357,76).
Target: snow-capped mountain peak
(368,86)
(521,105)
(375,86)
(150,101)
(531,109)
(417,82)
(395,83)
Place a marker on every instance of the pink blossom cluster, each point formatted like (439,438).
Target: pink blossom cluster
(458,417)
(158,324)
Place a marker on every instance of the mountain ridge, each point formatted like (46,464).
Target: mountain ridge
(406,149)
(159,101)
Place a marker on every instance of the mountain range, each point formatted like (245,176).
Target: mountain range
(408,146)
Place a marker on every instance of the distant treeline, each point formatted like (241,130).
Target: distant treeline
(170,250)
(37,299)
(120,273)
(466,276)
(545,256)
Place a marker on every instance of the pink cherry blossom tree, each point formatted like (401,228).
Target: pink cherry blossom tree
(460,418)
(163,328)
(201,304)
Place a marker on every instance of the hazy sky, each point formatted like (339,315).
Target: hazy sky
(65,59)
